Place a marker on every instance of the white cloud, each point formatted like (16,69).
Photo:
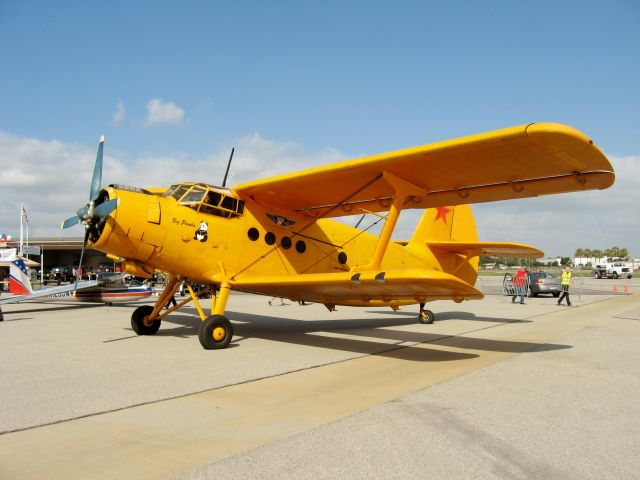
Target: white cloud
(163,113)
(52,179)
(118,116)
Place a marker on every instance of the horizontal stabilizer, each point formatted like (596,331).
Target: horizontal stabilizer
(493,249)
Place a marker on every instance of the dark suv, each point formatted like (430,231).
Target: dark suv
(543,282)
(61,274)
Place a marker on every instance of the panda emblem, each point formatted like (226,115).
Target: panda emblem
(201,233)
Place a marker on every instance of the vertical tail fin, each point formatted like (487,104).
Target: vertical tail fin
(447,224)
(19,282)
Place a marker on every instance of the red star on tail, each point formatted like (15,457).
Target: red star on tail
(442,213)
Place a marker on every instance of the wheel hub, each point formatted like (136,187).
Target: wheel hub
(218,333)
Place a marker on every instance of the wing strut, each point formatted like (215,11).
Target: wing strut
(402,191)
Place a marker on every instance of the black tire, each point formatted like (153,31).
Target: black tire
(615,275)
(215,332)
(556,294)
(138,321)
(427,317)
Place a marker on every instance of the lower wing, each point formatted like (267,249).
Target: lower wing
(347,288)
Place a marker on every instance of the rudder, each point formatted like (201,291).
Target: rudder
(440,224)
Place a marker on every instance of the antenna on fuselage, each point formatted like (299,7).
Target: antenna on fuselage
(224,181)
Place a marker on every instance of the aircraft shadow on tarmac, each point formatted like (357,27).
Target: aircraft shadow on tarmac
(454,316)
(369,336)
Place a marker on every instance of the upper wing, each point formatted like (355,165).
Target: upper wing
(518,162)
(48,292)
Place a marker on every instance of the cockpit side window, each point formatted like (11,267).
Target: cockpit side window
(206,199)
(180,191)
(213,198)
(170,190)
(195,195)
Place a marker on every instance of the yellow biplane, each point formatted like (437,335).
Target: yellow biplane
(275,236)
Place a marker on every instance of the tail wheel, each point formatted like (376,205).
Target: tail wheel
(141,323)
(215,332)
(427,317)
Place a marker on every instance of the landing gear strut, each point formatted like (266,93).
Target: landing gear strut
(215,331)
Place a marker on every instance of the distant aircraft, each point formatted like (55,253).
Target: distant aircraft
(274,236)
(108,288)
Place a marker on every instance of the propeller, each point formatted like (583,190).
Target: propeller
(91,214)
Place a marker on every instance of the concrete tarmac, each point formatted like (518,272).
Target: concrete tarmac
(491,390)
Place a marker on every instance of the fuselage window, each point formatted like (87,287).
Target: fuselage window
(253,234)
(286,243)
(301,247)
(342,258)
(270,238)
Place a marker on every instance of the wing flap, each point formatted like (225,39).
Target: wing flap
(410,285)
(519,162)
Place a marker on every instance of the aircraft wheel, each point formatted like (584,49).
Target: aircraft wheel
(215,332)
(140,321)
(427,317)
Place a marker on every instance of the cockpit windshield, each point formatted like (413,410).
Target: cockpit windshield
(206,199)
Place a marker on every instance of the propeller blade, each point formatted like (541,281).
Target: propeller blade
(70,222)
(104,209)
(96,181)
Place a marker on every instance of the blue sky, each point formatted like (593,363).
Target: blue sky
(319,80)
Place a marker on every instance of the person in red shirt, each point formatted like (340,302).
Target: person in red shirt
(520,283)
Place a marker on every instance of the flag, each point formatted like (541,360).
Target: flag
(24,215)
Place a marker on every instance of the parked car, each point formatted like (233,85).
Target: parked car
(543,282)
(61,274)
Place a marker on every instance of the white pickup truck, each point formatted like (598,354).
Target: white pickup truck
(612,270)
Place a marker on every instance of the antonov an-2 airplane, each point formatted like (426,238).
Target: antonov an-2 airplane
(275,236)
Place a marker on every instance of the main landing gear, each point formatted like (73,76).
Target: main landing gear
(215,331)
(426,316)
